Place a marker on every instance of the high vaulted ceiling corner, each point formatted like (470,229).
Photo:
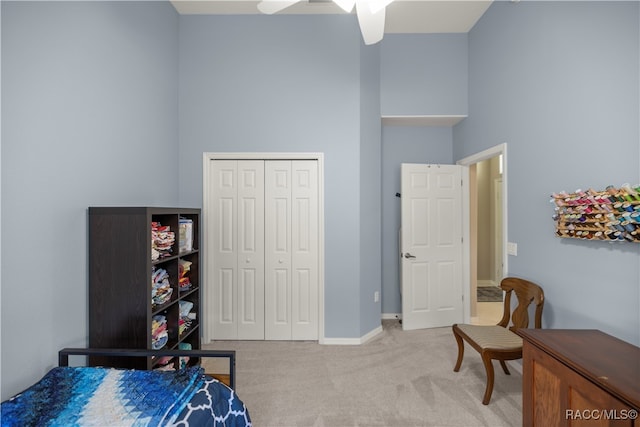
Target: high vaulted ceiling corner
(402,16)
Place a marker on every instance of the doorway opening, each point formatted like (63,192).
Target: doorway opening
(486,233)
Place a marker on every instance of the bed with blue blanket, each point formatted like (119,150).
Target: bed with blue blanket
(99,396)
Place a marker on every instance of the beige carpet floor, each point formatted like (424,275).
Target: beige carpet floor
(399,378)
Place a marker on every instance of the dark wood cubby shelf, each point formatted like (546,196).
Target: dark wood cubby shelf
(120,270)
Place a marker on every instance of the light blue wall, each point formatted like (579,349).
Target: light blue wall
(403,144)
(89,114)
(281,84)
(420,74)
(370,189)
(103,102)
(558,82)
(423,74)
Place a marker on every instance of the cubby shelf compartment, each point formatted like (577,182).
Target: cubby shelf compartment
(610,215)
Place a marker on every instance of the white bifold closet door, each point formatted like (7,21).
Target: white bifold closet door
(237,233)
(291,250)
(264,240)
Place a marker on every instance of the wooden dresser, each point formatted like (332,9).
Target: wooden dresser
(579,377)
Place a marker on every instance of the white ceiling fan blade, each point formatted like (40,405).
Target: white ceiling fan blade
(273,6)
(371,24)
(346,5)
(378,5)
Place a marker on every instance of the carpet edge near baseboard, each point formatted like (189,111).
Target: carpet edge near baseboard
(353,341)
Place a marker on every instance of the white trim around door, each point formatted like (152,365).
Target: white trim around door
(500,149)
(206,171)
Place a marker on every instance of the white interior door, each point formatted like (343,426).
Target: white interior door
(222,255)
(291,250)
(264,249)
(250,221)
(431,245)
(237,255)
(497,209)
(278,250)
(304,250)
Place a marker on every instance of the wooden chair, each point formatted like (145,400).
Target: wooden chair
(500,342)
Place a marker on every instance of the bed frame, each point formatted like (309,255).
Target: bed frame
(63,357)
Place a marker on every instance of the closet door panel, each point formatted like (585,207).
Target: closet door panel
(278,250)
(304,250)
(250,249)
(302,309)
(264,231)
(223,256)
(281,297)
(225,296)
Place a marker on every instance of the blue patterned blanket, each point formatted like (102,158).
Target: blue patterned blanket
(80,396)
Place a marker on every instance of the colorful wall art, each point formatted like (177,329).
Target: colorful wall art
(612,214)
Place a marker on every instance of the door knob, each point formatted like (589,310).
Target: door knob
(408,255)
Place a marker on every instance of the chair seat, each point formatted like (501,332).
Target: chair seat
(493,337)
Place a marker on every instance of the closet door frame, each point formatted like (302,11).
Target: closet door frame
(207,158)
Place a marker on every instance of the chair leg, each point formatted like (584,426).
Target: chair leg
(488,366)
(504,367)
(460,349)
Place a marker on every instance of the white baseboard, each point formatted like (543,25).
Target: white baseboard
(341,341)
(371,335)
(484,283)
(392,316)
(353,341)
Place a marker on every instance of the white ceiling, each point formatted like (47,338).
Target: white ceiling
(403,16)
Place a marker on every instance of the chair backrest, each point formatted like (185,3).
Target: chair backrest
(526,293)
